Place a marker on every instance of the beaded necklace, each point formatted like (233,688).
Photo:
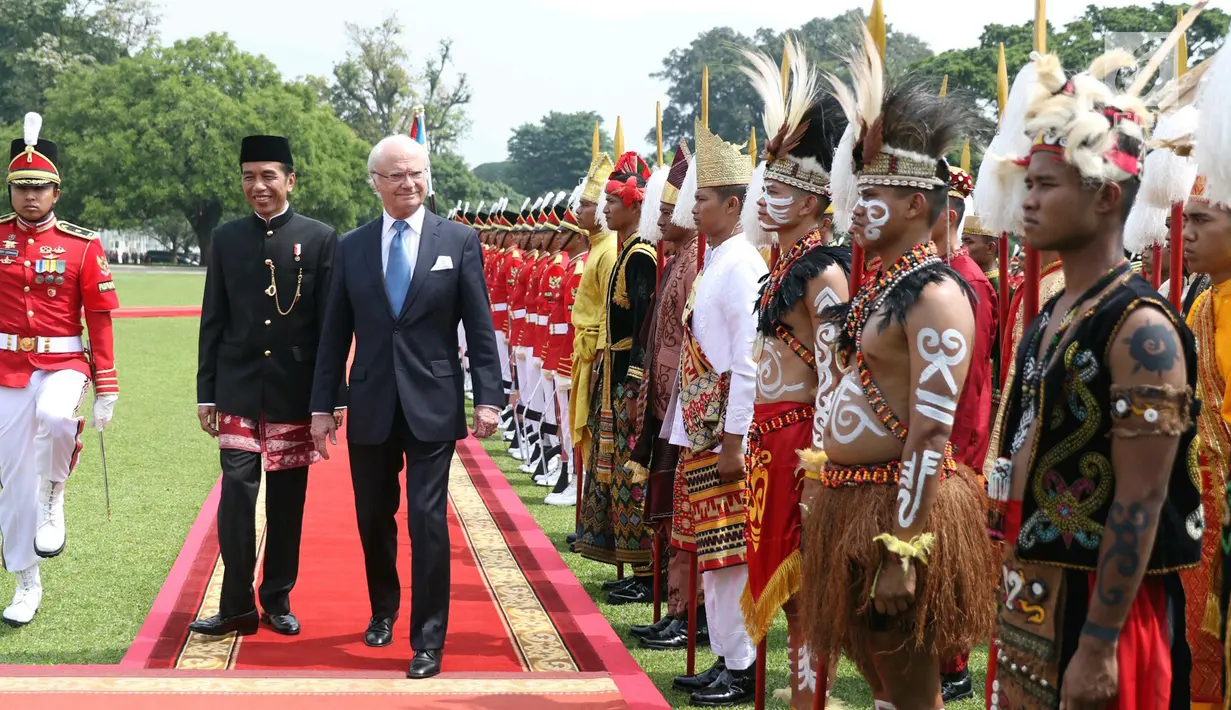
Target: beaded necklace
(810,241)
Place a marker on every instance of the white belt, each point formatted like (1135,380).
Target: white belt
(32,344)
(540,320)
(559,328)
(499,307)
(519,313)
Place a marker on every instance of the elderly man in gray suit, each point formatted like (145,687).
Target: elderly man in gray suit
(401,285)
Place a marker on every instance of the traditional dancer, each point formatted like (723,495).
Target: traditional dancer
(52,275)
(896,564)
(655,457)
(795,373)
(560,348)
(717,392)
(1093,482)
(612,527)
(590,312)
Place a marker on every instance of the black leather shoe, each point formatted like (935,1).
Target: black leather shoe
(380,631)
(571,539)
(641,632)
(675,637)
(956,686)
(639,592)
(425,664)
(285,624)
(613,584)
(690,683)
(219,625)
(731,688)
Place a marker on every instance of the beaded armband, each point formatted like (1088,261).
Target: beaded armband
(1150,410)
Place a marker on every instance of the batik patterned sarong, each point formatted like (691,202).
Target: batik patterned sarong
(281,446)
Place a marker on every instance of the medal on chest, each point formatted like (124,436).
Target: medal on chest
(298,251)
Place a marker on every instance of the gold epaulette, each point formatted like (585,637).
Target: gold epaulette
(8,217)
(74,230)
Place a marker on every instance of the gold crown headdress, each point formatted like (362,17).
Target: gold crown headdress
(596,179)
(719,163)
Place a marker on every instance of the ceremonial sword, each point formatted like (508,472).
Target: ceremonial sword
(102,448)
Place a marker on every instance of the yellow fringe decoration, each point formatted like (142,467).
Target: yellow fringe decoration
(813,462)
(620,297)
(759,613)
(917,549)
(639,473)
(1211,622)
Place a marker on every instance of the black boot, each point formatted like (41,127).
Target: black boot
(690,683)
(732,688)
(641,632)
(956,686)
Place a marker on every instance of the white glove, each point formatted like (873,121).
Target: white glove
(104,406)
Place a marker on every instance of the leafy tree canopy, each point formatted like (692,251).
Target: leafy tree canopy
(554,153)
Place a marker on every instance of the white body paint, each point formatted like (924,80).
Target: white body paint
(826,336)
(934,406)
(914,475)
(769,375)
(848,418)
(878,216)
(942,352)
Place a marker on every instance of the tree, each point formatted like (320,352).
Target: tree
(444,103)
(455,183)
(494,172)
(554,153)
(41,39)
(161,132)
(372,87)
(1077,44)
(734,105)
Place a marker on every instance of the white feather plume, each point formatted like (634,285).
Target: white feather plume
(33,124)
(480,208)
(1146,227)
(1002,187)
(537,203)
(559,197)
(574,199)
(1213,137)
(649,208)
(748,217)
(842,183)
(682,216)
(599,213)
(1168,178)
(766,78)
(524,205)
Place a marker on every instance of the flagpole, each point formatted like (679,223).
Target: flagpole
(418,131)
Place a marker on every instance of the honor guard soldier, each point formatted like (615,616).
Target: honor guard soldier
(51,274)
(265,295)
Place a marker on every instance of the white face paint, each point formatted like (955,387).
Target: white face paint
(848,419)
(877,213)
(778,207)
(910,493)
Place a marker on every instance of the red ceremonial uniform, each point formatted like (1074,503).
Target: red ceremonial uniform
(971,426)
(518,281)
(535,318)
(514,262)
(560,340)
(49,275)
(550,286)
(500,289)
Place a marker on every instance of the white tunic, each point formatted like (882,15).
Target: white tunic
(724,321)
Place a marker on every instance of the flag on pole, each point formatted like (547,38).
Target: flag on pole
(418,132)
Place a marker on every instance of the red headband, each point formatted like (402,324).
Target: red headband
(627,191)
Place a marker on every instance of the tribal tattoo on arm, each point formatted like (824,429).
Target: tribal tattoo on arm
(824,344)
(1149,397)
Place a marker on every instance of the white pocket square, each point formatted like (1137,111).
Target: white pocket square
(443,263)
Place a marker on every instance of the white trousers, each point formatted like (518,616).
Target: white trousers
(546,401)
(502,351)
(534,377)
(563,387)
(524,387)
(728,636)
(40,437)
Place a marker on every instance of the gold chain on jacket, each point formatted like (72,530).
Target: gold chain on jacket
(272,291)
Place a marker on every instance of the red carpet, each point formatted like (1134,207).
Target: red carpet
(522,630)
(156,311)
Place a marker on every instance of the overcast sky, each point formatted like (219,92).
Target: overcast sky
(527,57)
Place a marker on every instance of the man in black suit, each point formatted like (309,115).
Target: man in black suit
(265,296)
(402,283)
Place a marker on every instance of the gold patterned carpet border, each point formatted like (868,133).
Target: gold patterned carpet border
(247,685)
(528,624)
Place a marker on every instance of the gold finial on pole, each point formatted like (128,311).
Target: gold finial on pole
(944,87)
(964,163)
(1040,26)
(619,139)
(1002,83)
(876,26)
(595,144)
(752,146)
(1181,49)
(658,131)
(786,68)
(705,97)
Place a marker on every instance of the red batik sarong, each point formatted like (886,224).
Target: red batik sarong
(281,445)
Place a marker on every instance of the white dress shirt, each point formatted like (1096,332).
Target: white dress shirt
(724,322)
(410,238)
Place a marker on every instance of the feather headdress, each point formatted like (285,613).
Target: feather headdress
(1167,178)
(1000,191)
(1213,134)
(648,228)
(682,216)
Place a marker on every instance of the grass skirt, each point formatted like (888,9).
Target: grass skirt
(954,607)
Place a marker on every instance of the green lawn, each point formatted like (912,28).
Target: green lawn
(662,666)
(160,287)
(161,466)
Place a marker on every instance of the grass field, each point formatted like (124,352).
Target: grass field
(161,468)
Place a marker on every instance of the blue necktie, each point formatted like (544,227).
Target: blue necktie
(397,273)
